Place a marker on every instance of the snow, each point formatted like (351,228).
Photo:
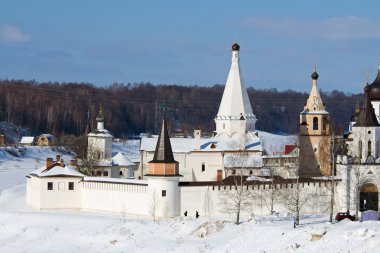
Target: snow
(25,230)
(27,140)
(121,159)
(57,171)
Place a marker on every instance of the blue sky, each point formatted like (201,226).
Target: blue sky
(188,42)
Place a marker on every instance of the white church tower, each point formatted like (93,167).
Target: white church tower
(100,141)
(235,116)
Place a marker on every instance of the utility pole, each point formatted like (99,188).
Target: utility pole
(332,178)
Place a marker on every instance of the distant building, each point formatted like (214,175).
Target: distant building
(45,140)
(27,141)
(100,157)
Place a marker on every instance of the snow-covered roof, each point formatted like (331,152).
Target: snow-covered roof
(243,161)
(121,159)
(306,111)
(206,144)
(27,140)
(57,171)
(100,133)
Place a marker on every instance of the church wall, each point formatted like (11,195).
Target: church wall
(350,175)
(100,144)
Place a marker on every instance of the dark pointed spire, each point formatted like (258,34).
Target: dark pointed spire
(163,152)
(367,117)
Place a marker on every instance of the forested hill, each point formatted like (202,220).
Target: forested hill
(70,108)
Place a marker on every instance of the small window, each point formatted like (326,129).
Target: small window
(50,186)
(105,173)
(224,126)
(250,172)
(120,173)
(315,123)
(203,167)
(71,186)
(163,193)
(233,172)
(98,173)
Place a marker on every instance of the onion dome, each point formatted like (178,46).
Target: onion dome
(315,75)
(367,117)
(355,116)
(374,88)
(235,47)
(100,116)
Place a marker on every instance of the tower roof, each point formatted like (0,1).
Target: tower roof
(374,87)
(235,101)
(100,116)
(163,152)
(314,102)
(367,117)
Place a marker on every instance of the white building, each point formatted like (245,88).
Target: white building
(100,157)
(207,159)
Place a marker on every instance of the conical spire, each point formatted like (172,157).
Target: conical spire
(235,101)
(163,152)
(367,117)
(314,102)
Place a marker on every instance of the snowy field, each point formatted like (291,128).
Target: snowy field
(25,230)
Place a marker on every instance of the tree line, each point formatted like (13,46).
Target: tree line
(71,108)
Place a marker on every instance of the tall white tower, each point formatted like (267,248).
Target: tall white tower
(100,141)
(235,116)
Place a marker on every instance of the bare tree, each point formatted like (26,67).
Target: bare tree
(153,205)
(271,194)
(294,198)
(236,195)
(208,203)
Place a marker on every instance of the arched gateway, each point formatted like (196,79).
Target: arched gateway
(369,197)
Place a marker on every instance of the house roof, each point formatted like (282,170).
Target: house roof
(27,140)
(57,170)
(186,145)
(121,159)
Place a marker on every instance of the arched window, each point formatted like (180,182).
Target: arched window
(203,167)
(369,153)
(360,149)
(315,123)
(120,173)
(105,173)
(98,173)
(324,125)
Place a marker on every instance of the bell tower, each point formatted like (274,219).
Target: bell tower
(314,138)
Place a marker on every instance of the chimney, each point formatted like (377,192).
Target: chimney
(197,139)
(49,163)
(61,163)
(57,158)
(73,162)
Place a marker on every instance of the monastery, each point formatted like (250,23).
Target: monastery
(188,175)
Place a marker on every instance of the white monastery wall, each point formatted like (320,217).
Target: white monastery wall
(115,197)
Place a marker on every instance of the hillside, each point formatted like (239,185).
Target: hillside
(70,108)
